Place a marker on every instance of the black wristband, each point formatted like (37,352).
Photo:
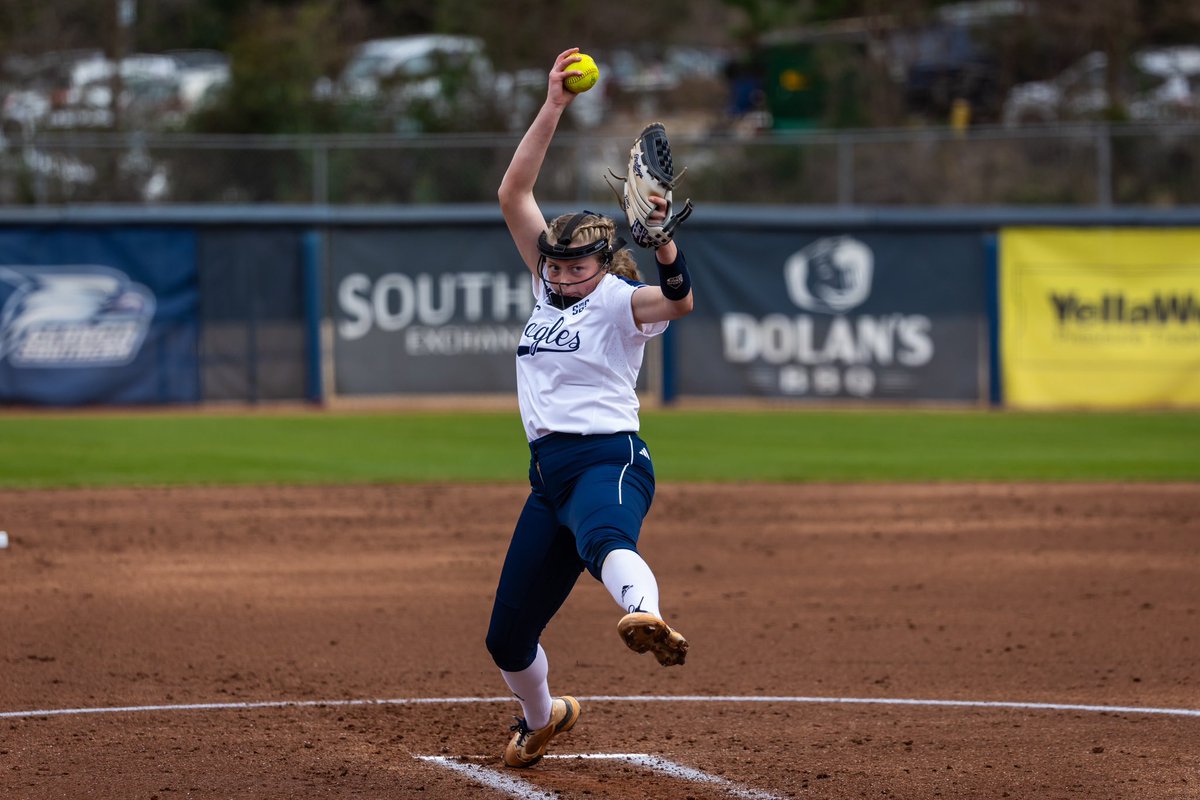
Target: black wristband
(673,278)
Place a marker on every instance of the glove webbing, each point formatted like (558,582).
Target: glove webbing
(656,149)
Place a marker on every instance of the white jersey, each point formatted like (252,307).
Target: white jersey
(577,367)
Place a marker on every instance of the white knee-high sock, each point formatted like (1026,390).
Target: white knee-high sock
(533,690)
(631,583)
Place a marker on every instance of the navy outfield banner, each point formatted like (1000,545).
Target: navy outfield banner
(858,315)
(437,308)
(98,315)
(253,343)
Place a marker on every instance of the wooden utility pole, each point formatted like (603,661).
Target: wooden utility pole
(126,17)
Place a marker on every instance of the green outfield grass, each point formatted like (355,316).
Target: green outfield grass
(50,450)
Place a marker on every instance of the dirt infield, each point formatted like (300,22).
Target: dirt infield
(802,603)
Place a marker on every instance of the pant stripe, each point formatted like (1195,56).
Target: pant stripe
(621,480)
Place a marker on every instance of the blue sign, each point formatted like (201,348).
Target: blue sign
(98,315)
(837,315)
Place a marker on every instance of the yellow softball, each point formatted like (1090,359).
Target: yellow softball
(581,83)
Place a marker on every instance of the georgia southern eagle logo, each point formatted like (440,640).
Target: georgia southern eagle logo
(831,275)
(72,316)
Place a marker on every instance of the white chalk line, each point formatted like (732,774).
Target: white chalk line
(514,787)
(671,768)
(604,698)
(494,779)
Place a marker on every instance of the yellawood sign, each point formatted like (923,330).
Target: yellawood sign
(1100,317)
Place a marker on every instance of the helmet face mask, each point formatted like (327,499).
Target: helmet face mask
(569,281)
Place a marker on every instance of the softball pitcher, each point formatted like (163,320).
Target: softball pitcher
(591,477)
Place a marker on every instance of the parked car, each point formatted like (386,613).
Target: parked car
(37,85)
(149,98)
(518,96)
(201,74)
(23,111)
(71,90)
(1161,84)
(415,63)
(414,83)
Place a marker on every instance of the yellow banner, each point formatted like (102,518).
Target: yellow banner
(1100,318)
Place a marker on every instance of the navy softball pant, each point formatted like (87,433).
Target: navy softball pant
(588,496)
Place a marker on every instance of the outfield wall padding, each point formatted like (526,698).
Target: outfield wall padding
(796,304)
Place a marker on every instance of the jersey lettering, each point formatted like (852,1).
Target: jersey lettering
(588,385)
(551,338)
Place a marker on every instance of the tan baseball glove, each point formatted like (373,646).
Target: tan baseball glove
(651,173)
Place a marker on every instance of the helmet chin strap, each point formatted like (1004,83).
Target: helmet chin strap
(558,299)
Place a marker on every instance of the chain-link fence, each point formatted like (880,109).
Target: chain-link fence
(1085,165)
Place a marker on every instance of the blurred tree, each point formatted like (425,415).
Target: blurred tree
(278,52)
(185,24)
(280,47)
(763,16)
(29,27)
(521,34)
(402,17)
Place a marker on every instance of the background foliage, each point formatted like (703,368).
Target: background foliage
(280,47)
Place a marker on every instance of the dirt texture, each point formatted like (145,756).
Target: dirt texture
(800,602)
